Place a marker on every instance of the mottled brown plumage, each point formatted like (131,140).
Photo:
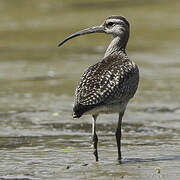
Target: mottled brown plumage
(113,80)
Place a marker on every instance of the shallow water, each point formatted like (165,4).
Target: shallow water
(38,137)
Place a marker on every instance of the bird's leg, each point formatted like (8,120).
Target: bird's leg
(94,137)
(118,136)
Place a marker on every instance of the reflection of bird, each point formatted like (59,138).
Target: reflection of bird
(107,86)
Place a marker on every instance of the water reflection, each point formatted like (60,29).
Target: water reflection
(38,137)
(135,160)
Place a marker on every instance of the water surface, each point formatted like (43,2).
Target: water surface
(38,137)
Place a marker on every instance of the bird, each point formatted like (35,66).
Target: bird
(107,86)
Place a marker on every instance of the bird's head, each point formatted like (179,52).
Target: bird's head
(114,25)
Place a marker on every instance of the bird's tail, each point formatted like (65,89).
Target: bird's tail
(80,109)
(76,115)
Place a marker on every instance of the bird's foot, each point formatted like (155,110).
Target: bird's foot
(119,160)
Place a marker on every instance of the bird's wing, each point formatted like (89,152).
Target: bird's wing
(102,82)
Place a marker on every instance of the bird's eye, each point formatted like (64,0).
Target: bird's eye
(109,24)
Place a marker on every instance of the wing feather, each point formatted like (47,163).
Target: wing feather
(106,82)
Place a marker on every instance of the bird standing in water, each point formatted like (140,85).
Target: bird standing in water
(107,86)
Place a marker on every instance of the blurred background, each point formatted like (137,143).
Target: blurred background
(38,137)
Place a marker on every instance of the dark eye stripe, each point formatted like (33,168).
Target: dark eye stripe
(110,24)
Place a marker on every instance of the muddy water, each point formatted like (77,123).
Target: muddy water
(38,137)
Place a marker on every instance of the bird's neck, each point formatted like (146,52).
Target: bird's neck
(117,45)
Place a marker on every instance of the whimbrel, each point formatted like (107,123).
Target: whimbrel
(107,86)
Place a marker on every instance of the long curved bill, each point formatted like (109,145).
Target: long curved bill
(96,29)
